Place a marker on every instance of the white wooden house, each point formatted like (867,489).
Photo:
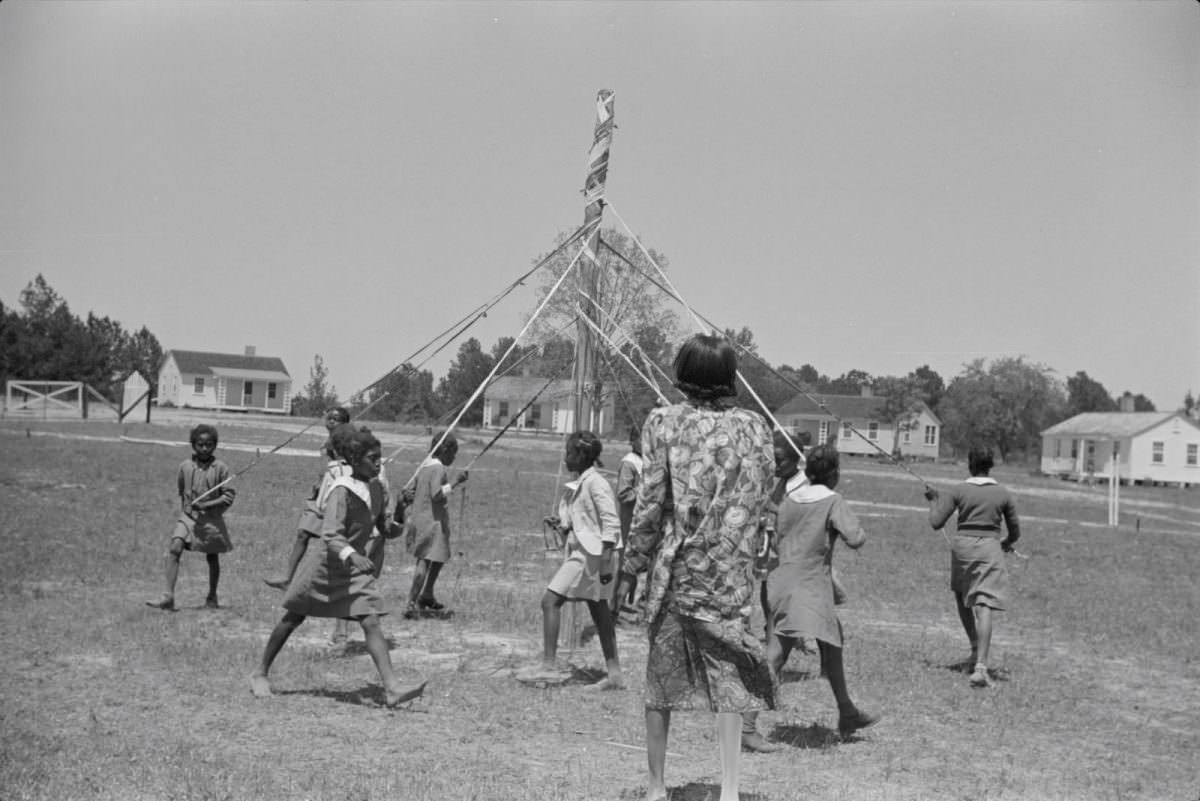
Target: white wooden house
(553,411)
(819,416)
(1142,447)
(224,381)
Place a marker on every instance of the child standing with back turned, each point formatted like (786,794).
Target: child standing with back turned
(201,524)
(978,575)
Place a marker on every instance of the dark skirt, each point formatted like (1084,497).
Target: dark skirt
(978,572)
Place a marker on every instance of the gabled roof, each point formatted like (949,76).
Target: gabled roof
(1112,424)
(202,363)
(522,388)
(856,407)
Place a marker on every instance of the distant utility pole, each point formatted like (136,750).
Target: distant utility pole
(587,391)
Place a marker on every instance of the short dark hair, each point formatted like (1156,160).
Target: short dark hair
(822,466)
(587,445)
(203,428)
(792,441)
(340,412)
(354,442)
(706,368)
(980,460)
(442,441)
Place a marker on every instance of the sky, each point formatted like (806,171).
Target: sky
(870,185)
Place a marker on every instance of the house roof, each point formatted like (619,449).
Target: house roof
(857,407)
(252,375)
(203,363)
(1111,424)
(523,388)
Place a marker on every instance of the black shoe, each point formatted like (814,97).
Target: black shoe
(211,602)
(755,743)
(430,604)
(855,719)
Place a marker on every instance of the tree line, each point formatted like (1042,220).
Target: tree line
(42,340)
(1007,401)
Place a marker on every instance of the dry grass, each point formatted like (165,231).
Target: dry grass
(106,699)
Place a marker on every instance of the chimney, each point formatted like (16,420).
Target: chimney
(1126,404)
(250,350)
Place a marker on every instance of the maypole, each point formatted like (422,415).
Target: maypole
(587,384)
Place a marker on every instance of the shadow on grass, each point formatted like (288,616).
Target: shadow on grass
(368,696)
(793,674)
(965,666)
(692,791)
(812,736)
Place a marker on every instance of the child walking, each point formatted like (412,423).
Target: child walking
(801,595)
(978,575)
(587,515)
(201,525)
(309,526)
(427,527)
(339,580)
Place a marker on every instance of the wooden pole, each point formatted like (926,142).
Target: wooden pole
(586,369)
(587,388)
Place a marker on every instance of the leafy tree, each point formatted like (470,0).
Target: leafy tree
(617,293)
(1143,404)
(468,370)
(44,340)
(318,395)
(850,383)
(1006,404)
(1085,394)
(634,397)
(930,385)
(903,400)
(406,394)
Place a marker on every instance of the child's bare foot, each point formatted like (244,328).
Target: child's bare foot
(609,682)
(167,604)
(404,692)
(276,583)
(657,795)
(259,686)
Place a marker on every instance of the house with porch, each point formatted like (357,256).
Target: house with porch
(1140,447)
(225,381)
(838,417)
(553,411)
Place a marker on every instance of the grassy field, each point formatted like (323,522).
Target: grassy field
(103,698)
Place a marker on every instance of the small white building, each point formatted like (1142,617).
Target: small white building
(224,381)
(840,416)
(553,411)
(1142,447)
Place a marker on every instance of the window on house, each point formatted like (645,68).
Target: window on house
(847,431)
(1191,453)
(872,431)
(1057,448)
(1156,452)
(248,389)
(271,390)
(906,437)
(931,435)
(503,409)
(535,416)
(1074,449)
(198,385)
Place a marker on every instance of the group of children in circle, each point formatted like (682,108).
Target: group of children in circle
(337,555)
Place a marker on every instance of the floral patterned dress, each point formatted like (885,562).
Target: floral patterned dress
(706,477)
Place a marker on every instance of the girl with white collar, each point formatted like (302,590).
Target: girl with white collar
(801,593)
